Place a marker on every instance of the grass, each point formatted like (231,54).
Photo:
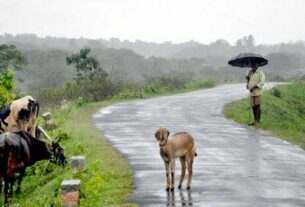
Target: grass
(283,112)
(108,179)
(155,89)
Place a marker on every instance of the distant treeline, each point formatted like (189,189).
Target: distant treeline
(138,61)
(147,49)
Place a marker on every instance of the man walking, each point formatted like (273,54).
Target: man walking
(255,83)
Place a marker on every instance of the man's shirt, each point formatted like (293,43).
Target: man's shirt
(256,79)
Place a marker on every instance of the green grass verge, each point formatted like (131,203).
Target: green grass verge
(283,112)
(155,89)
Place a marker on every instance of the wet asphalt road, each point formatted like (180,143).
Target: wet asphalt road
(237,166)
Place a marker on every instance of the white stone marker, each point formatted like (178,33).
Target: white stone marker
(70,193)
(78,163)
(48,120)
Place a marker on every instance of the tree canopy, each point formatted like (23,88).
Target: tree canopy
(11,57)
(86,66)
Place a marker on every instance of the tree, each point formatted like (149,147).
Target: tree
(11,57)
(250,41)
(86,66)
(245,43)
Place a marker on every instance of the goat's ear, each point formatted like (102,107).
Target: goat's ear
(157,134)
(167,134)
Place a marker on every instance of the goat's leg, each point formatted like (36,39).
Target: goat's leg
(9,179)
(6,192)
(190,171)
(167,175)
(0,185)
(20,177)
(173,168)
(183,169)
(11,185)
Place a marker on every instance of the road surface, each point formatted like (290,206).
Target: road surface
(237,166)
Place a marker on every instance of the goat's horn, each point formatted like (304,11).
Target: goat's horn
(45,133)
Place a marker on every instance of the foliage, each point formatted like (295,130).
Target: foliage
(103,88)
(282,112)
(132,61)
(80,102)
(98,89)
(6,87)
(11,57)
(87,67)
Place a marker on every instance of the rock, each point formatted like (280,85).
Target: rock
(78,163)
(63,104)
(49,121)
(47,116)
(70,185)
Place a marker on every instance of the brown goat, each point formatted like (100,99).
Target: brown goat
(181,145)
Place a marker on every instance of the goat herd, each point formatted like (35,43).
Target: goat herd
(20,145)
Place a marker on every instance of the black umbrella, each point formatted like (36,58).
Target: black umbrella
(247,60)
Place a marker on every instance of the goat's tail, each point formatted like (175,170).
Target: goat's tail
(195,154)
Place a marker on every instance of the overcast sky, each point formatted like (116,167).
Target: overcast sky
(270,21)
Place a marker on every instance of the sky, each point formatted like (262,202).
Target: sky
(269,21)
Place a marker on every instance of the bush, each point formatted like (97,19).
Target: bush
(276,92)
(6,87)
(98,89)
(80,102)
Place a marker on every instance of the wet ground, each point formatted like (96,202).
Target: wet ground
(237,166)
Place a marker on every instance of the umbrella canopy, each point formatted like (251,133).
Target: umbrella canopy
(247,60)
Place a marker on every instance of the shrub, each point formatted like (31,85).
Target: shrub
(6,87)
(98,89)
(276,92)
(80,102)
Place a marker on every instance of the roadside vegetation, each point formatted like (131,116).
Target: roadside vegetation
(283,112)
(108,179)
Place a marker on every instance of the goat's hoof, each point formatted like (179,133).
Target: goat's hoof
(179,186)
(167,188)
(172,189)
(188,187)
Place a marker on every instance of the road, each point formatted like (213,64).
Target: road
(237,166)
